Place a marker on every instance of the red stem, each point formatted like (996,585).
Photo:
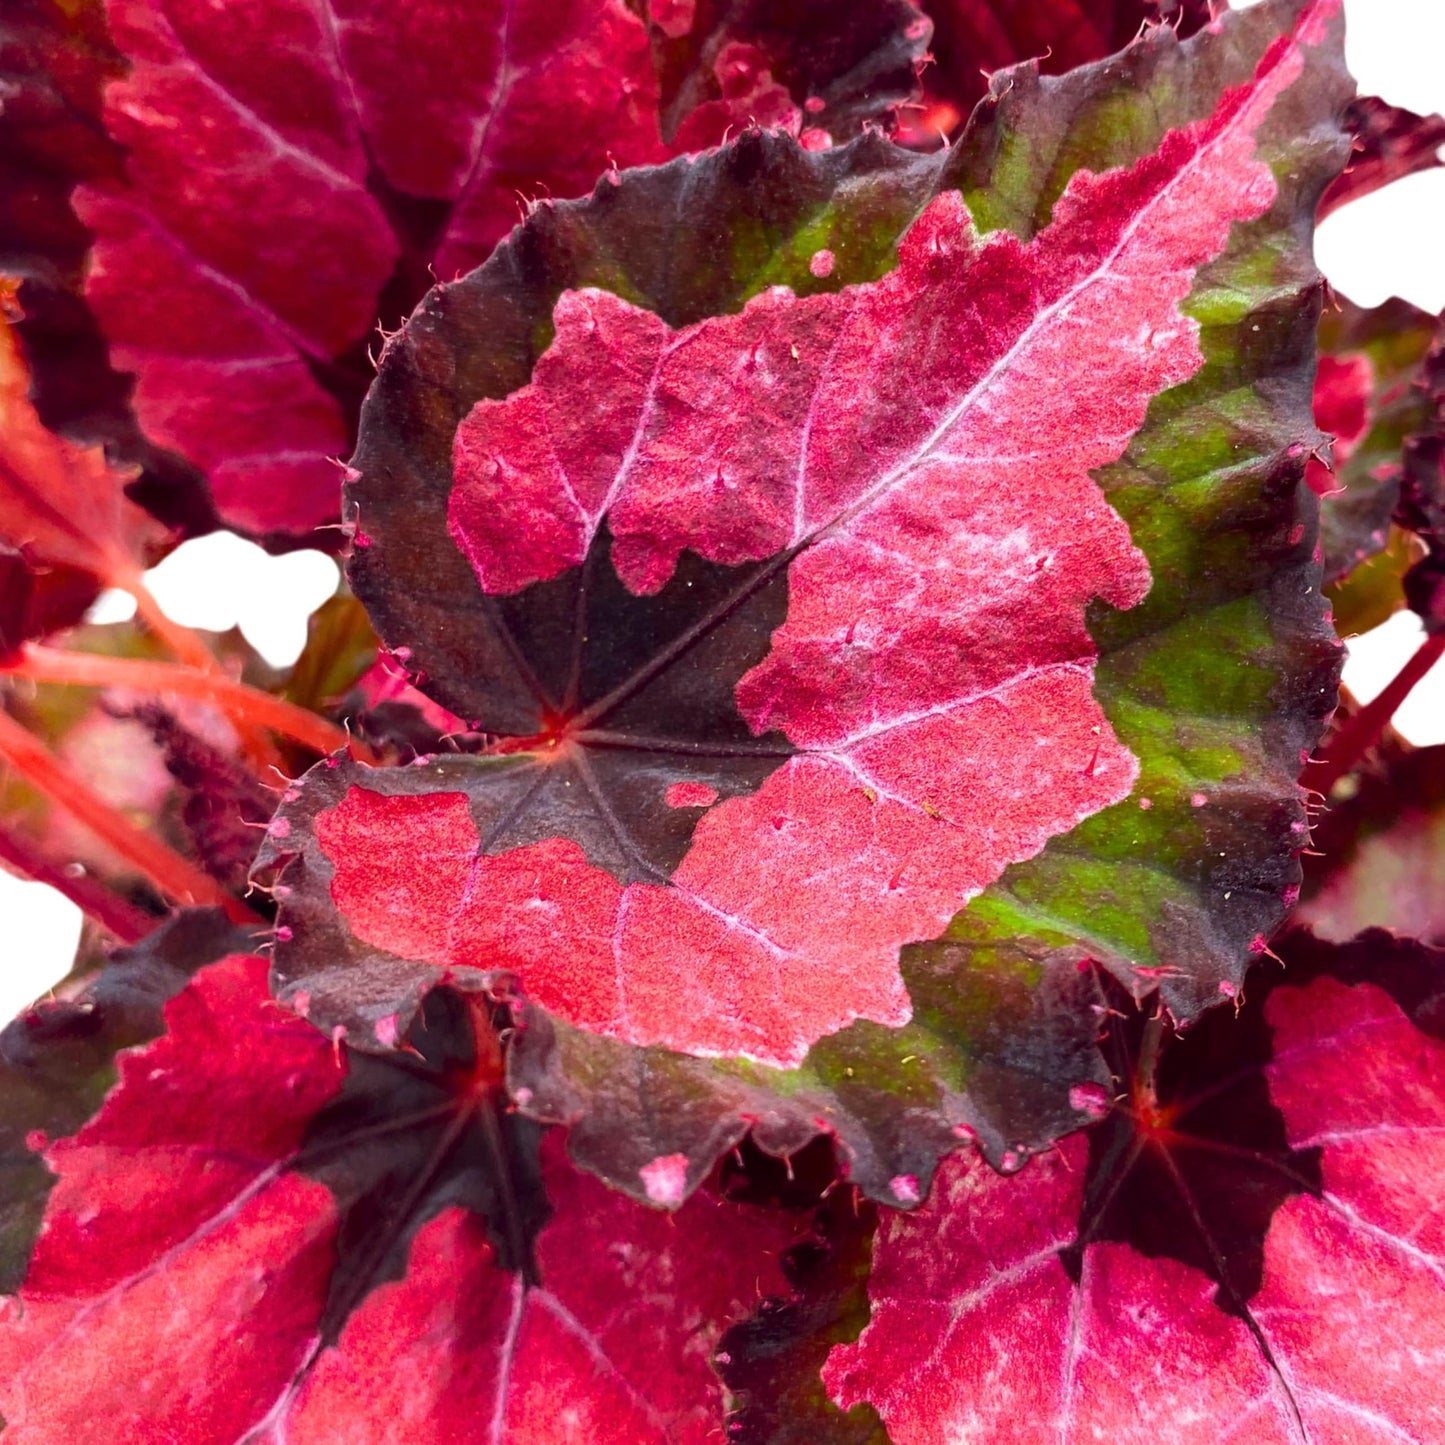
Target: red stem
(240,702)
(1358,735)
(187,645)
(123,921)
(175,876)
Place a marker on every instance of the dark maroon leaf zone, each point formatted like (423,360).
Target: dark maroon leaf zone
(1422,500)
(414,1133)
(1412,973)
(771,1362)
(1195,1159)
(1390,142)
(635,695)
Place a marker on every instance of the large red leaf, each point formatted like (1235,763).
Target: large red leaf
(1217,680)
(294,175)
(260,1238)
(866,691)
(176,1248)
(613,1345)
(1254,1242)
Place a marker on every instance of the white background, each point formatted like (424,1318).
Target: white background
(1391,243)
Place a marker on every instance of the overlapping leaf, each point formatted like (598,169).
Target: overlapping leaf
(1390,143)
(1252,1243)
(807,65)
(747,638)
(1371,396)
(1422,500)
(259,1238)
(57,1062)
(292,176)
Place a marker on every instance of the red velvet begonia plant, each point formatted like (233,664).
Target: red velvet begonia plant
(815,885)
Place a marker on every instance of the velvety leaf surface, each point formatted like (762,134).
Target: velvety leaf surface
(293,176)
(1382,851)
(1253,1246)
(742,646)
(1390,143)
(1370,395)
(260,1236)
(57,1062)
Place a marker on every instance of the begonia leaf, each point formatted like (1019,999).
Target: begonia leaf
(1390,143)
(293,177)
(756,735)
(260,1236)
(1370,395)
(57,1061)
(1251,1242)
(55,60)
(54,63)
(1381,850)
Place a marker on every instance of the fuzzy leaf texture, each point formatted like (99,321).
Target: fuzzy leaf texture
(953,518)
(1253,1242)
(259,1237)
